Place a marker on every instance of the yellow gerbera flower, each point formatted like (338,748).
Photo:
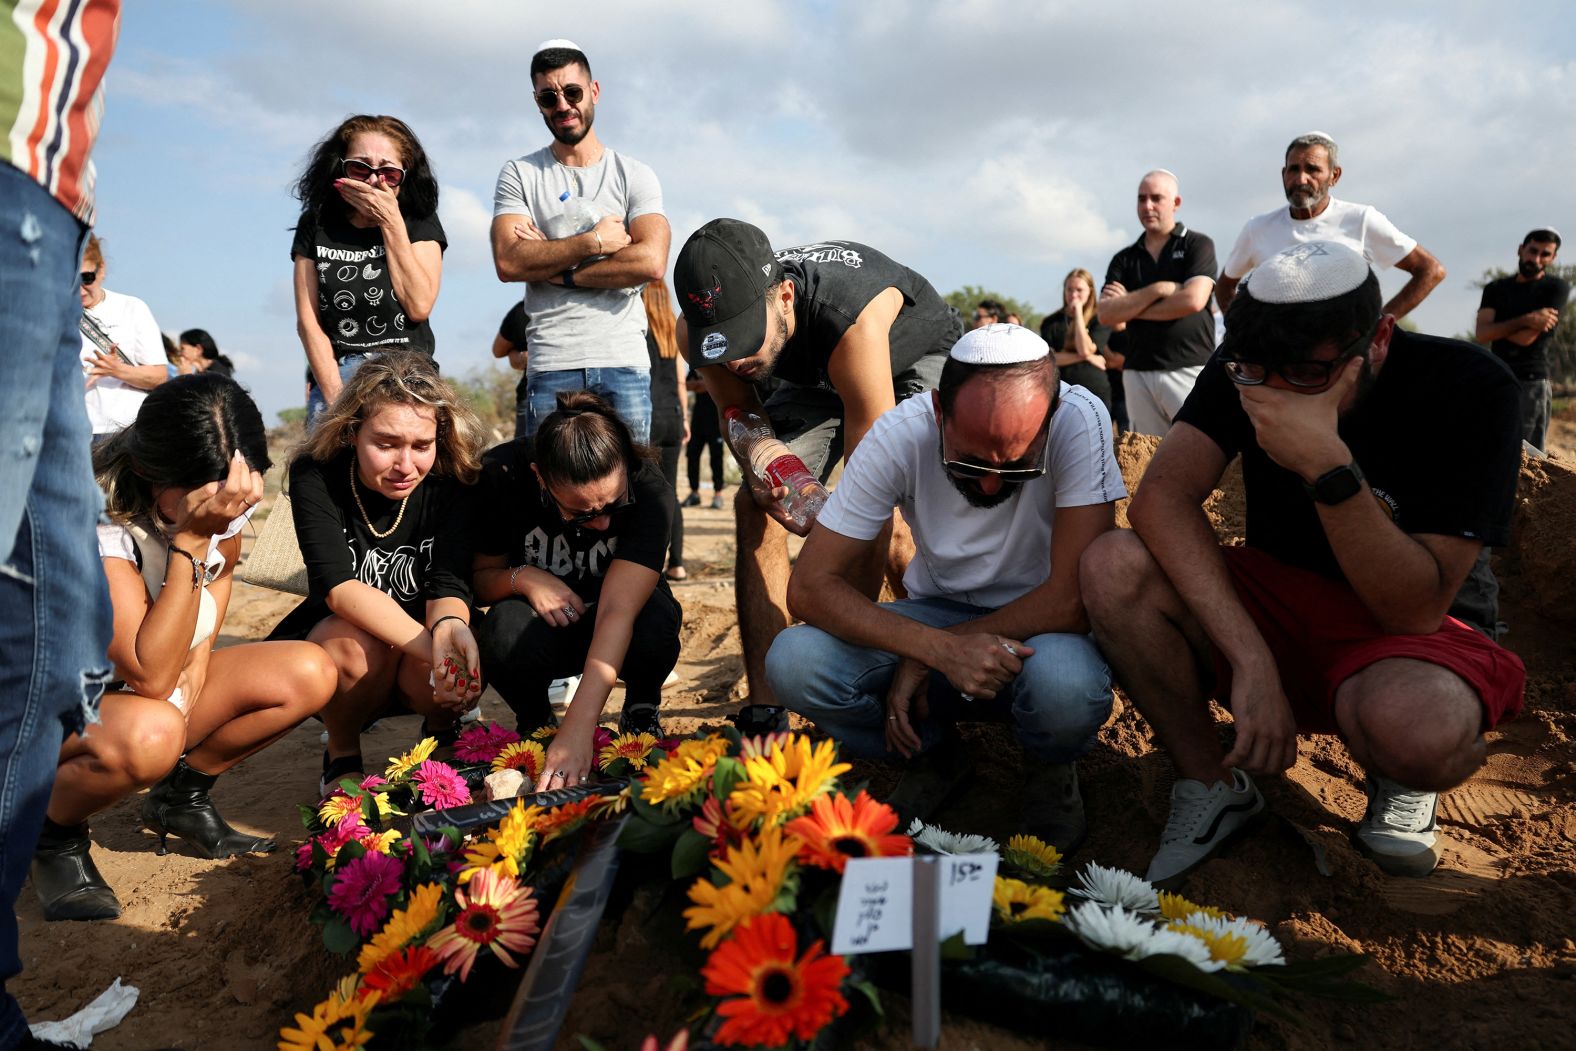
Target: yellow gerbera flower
(632,747)
(1176,908)
(755,870)
(404,926)
(336,1024)
(1016,901)
(401,766)
(506,846)
(382,842)
(1032,855)
(336,807)
(528,757)
(672,781)
(781,783)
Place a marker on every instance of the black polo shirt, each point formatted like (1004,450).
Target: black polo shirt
(1159,346)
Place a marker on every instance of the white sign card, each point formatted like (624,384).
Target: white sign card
(875,906)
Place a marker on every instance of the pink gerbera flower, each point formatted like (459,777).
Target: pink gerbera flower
(348,829)
(496,913)
(361,892)
(482,743)
(440,785)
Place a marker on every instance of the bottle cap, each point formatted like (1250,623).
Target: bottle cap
(564,196)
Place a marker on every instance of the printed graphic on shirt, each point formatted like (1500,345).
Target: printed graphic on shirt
(823,252)
(394,572)
(563,561)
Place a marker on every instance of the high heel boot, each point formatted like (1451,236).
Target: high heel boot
(180,804)
(68,883)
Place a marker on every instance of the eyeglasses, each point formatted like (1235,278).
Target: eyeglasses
(1305,373)
(361,171)
(592,515)
(547,98)
(89,276)
(976,471)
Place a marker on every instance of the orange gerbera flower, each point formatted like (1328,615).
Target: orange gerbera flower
(397,974)
(836,830)
(496,913)
(776,996)
(555,822)
(528,757)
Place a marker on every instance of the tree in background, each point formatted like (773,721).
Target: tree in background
(1562,351)
(964,299)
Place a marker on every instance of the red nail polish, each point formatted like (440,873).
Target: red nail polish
(460,683)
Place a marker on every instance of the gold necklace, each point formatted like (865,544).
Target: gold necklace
(362,507)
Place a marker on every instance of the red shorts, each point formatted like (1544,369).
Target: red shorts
(1321,634)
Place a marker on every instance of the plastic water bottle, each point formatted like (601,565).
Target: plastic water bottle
(773,464)
(578,216)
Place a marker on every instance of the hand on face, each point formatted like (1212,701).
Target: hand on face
(1298,430)
(373,199)
(209,509)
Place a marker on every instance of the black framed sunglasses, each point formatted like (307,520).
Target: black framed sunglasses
(976,471)
(361,171)
(88,277)
(1304,373)
(582,517)
(547,98)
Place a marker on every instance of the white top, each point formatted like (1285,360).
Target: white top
(580,328)
(148,550)
(1362,226)
(985,556)
(127,321)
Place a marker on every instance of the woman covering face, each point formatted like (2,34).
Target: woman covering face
(381,503)
(1078,339)
(570,559)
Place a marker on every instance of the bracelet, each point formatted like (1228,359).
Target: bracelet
(199,569)
(449,616)
(512,574)
(598,241)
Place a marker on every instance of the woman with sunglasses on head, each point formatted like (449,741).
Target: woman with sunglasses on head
(179,485)
(380,500)
(368,251)
(571,564)
(122,348)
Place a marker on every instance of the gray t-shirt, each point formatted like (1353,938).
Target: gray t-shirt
(580,328)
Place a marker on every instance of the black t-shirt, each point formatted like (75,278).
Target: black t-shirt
(427,557)
(1438,437)
(355,298)
(525,526)
(1509,298)
(1091,378)
(513,332)
(833,282)
(1159,346)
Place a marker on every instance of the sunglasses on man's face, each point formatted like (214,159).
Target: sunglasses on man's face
(88,277)
(964,469)
(547,98)
(361,171)
(1305,373)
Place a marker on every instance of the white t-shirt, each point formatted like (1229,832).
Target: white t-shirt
(580,328)
(1362,226)
(127,321)
(985,556)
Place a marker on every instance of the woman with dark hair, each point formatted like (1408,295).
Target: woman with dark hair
(1076,337)
(669,432)
(571,562)
(179,484)
(368,251)
(380,499)
(199,353)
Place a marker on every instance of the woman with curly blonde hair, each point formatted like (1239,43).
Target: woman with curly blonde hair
(380,495)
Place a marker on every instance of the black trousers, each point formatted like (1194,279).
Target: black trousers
(522,654)
(692,455)
(669,456)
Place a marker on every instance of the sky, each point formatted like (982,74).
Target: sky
(983,142)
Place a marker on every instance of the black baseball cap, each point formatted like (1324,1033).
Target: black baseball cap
(721,276)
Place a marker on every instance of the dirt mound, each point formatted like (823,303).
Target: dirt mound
(1226,506)
(1541,561)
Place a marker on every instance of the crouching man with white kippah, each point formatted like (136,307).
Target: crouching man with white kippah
(1005,475)
(1377,463)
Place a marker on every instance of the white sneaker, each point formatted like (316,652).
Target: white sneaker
(560,692)
(1202,818)
(1398,831)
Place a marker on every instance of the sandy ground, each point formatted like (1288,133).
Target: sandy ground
(1479,953)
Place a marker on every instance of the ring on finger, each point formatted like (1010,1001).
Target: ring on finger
(1012,651)
(967,697)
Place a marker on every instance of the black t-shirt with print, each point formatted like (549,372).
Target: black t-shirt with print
(1438,436)
(525,526)
(1090,377)
(355,298)
(833,282)
(427,557)
(1509,298)
(1160,346)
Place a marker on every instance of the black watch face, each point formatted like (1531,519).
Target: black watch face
(1343,483)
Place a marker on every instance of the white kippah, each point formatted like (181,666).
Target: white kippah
(999,344)
(568,45)
(1307,273)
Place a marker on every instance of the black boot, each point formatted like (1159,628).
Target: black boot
(67,881)
(180,804)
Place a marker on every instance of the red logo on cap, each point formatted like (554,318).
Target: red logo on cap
(705,301)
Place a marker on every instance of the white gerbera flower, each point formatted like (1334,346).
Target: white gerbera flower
(1257,946)
(1134,937)
(1114,887)
(941,841)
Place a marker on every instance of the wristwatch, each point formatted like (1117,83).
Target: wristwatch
(569,279)
(1337,485)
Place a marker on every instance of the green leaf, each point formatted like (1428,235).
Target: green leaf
(644,837)
(419,851)
(589,1044)
(869,992)
(728,773)
(369,811)
(955,948)
(689,853)
(650,813)
(350,785)
(338,938)
(308,817)
(1246,992)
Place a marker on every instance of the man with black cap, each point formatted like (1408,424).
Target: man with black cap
(1005,474)
(1376,464)
(1518,315)
(845,333)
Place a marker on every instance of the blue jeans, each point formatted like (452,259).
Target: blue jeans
(54,604)
(315,404)
(1056,705)
(628,390)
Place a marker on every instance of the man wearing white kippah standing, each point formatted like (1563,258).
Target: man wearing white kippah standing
(1377,463)
(1005,475)
(1158,287)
